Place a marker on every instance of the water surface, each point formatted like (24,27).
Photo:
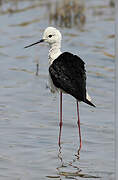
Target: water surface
(29,123)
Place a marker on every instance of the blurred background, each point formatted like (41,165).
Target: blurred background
(29,123)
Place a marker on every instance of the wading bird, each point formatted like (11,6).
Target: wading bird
(67,73)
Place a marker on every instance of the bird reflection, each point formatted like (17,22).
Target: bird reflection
(68,174)
(78,153)
(60,155)
(76,173)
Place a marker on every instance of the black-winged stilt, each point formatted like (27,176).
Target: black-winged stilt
(67,73)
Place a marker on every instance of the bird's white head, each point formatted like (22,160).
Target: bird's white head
(51,35)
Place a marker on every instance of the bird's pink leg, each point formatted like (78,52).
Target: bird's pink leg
(78,122)
(60,117)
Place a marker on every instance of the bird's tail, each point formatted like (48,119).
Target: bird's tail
(89,102)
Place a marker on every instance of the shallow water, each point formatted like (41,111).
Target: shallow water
(29,123)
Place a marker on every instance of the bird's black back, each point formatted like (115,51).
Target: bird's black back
(68,73)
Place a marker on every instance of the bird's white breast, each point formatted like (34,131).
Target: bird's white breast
(52,87)
(53,54)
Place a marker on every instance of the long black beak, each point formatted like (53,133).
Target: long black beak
(42,40)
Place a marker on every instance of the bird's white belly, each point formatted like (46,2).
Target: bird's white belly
(52,87)
(53,54)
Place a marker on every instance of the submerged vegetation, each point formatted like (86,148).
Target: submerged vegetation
(67,13)
(62,13)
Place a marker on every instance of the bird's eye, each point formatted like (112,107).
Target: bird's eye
(50,36)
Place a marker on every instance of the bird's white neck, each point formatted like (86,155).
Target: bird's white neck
(54,52)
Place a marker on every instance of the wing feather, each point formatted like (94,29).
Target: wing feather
(68,73)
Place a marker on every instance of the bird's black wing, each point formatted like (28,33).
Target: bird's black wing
(68,73)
